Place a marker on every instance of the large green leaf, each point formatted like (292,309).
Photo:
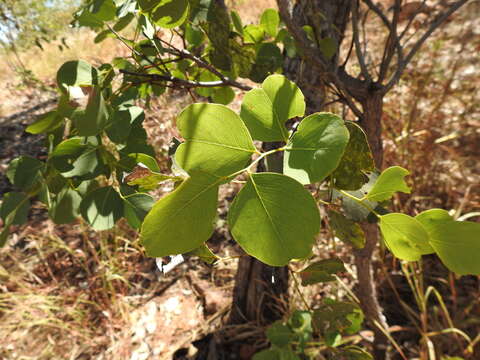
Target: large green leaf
(265,110)
(406,237)
(274,219)
(64,208)
(346,230)
(95,117)
(102,208)
(170,13)
(390,181)
(356,161)
(24,172)
(76,73)
(457,243)
(321,271)
(316,148)
(216,140)
(182,220)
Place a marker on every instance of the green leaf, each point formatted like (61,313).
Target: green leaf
(24,172)
(276,354)
(138,158)
(170,13)
(390,181)
(102,208)
(346,230)
(356,161)
(253,33)
(64,208)
(14,208)
(45,123)
(321,271)
(265,110)
(103,10)
(95,118)
(280,334)
(216,140)
(274,219)
(406,238)
(123,22)
(147,5)
(76,73)
(328,47)
(270,21)
(237,22)
(353,353)
(136,207)
(316,148)
(204,253)
(122,121)
(148,180)
(334,316)
(182,220)
(457,243)
(223,95)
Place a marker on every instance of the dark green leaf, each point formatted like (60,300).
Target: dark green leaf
(328,46)
(102,208)
(95,117)
(136,207)
(321,271)
(280,334)
(76,73)
(237,22)
(223,95)
(346,230)
(357,160)
(24,172)
(65,206)
(14,208)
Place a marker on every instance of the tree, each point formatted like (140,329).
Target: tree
(216,51)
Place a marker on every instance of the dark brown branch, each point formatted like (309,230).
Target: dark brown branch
(184,54)
(392,37)
(390,45)
(184,83)
(356,39)
(433,26)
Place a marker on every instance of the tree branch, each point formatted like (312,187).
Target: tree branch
(434,25)
(188,84)
(356,39)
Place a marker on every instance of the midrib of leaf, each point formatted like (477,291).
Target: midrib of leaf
(221,145)
(305,149)
(266,211)
(277,119)
(406,238)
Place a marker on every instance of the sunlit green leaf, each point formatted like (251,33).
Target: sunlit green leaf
(389,182)
(457,243)
(316,148)
(265,110)
(45,123)
(216,140)
(274,219)
(406,238)
(204,253)
(170,13)
(182,220)
(76,73)
(270,21)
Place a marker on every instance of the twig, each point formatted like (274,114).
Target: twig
(358,48)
